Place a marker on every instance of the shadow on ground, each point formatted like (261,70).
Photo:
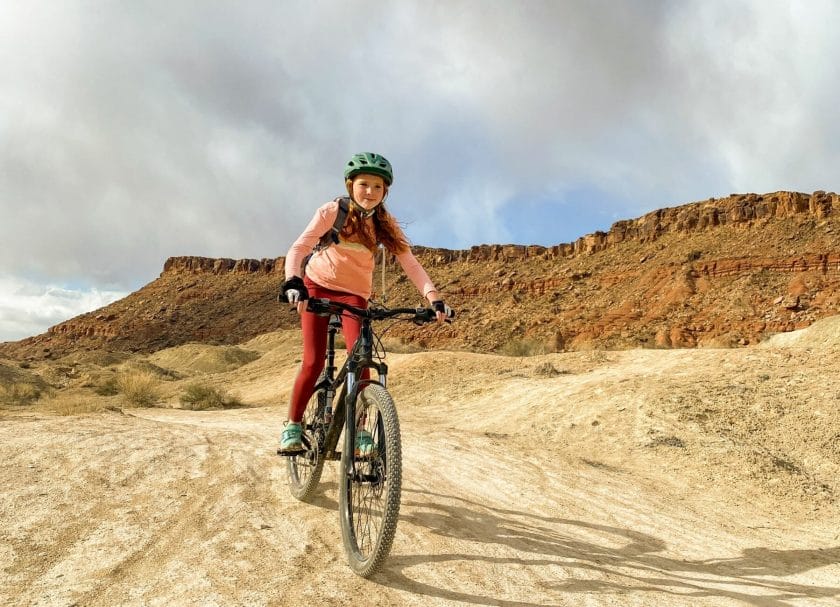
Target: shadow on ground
(637,566)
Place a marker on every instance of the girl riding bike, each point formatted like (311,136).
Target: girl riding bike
(343,271)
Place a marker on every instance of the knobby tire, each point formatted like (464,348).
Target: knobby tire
(305,469)
(369,488)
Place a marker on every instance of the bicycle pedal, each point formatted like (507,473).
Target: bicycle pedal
(291,453)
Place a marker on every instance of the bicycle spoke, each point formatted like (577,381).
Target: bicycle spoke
(305,469)
(368,503)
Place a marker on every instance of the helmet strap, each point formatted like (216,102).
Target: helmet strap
(359,208)
(366,213)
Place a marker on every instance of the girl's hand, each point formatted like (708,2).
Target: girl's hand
(442,311)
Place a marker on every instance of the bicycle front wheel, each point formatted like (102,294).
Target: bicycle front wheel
(371,481)
(305,469)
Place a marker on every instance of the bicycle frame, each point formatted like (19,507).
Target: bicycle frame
(345,380)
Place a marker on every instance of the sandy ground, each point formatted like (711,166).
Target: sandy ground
(691,477)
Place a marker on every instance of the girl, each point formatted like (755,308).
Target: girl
(343,271)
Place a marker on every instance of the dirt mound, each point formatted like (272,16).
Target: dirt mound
(191,359)
(824,333)
(11,372)
(662,476)
(19,386)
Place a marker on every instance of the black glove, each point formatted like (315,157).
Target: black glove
(293,291)
(439,306)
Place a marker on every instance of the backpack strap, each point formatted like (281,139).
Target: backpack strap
(340,218)
(331,236)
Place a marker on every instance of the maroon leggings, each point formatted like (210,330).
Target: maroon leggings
(314,329)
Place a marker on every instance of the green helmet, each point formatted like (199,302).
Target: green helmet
(372,164)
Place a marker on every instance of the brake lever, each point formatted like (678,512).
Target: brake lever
(449,316)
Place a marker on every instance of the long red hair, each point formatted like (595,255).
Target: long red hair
(382,229)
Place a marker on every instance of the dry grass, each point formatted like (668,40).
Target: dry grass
(19,393)
(108,388)
(140,388)
(198,397)
(76,405)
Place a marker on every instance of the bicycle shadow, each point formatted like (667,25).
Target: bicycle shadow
(324,496)
(637,563)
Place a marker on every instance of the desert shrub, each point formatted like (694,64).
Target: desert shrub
(108,388)
(76,405)
(19,393)
(198,397)
(140,388)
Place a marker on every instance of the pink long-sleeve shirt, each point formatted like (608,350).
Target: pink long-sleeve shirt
(346,266)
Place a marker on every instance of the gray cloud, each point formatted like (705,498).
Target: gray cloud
(132,131)
(27,308)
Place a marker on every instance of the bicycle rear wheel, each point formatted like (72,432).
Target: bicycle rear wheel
(369,491)
(305,469)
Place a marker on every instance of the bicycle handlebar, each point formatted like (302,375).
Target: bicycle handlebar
(328,306)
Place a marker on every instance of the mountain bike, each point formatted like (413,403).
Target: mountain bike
(370,480)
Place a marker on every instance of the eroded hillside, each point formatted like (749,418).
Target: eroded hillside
(723,272)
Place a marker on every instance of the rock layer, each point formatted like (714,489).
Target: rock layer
(721,272)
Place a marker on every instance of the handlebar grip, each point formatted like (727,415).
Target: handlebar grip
(430,315)
(425,314)
(317,306)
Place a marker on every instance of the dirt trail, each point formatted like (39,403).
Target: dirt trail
(621,478)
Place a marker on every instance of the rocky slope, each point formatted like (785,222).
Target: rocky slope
(720,272)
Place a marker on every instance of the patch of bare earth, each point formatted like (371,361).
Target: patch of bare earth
(639,477)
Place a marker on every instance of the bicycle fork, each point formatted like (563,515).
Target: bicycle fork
(354,388)
(350,408)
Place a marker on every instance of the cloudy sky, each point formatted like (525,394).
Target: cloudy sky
(135,130)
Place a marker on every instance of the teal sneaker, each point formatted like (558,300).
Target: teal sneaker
(365,447)
(290,440)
